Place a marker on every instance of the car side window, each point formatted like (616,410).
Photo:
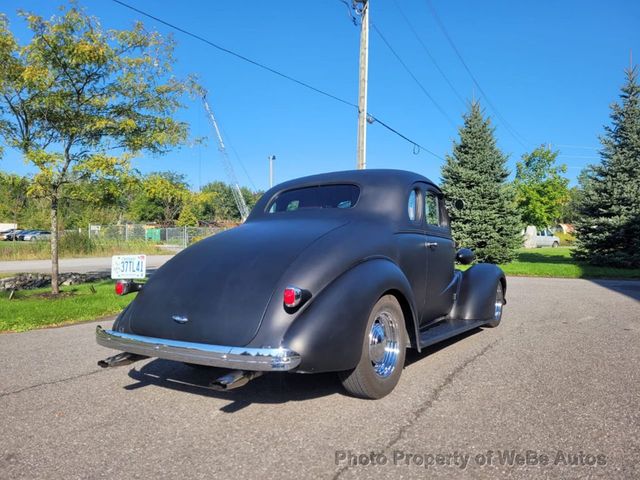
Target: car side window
(411,206)
(431,209)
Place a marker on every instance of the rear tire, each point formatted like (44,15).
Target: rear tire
(383,352)
(498,306)
(555,245)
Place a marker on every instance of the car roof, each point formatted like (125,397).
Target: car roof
(382,191)
(389,177)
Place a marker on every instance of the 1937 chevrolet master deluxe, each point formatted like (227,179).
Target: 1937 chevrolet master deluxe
(336,272)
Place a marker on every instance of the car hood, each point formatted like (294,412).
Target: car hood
(217,290)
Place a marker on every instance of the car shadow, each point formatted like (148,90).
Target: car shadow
(273,388)
(414,356)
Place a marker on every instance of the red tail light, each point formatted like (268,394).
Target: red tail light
(292,296)
(121,288)
(124,287)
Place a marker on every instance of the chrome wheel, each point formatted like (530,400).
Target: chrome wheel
(497,313)
(384,342)
(384,346)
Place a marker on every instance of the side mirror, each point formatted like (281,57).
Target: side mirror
(465,256)
(458,204)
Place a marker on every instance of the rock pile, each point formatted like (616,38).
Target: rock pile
(28,281)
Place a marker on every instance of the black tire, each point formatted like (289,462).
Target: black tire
(555,245)
(370,379)
(497,313)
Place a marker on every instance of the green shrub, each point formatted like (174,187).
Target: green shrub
(566,239)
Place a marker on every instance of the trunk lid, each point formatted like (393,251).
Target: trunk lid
(220,287)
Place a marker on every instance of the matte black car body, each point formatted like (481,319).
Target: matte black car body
(229,287)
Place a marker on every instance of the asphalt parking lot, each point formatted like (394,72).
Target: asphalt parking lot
(559,379)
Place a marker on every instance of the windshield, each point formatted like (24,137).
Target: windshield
(321,196)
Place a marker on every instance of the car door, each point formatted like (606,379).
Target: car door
(546,238)
(410,240)
(440,250)
(541,239)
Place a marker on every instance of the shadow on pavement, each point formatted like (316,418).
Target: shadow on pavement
(414,356)
(272,388)
(630,288)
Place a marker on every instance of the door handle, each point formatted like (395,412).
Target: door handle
(431,244)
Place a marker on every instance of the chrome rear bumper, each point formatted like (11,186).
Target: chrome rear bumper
(240,358)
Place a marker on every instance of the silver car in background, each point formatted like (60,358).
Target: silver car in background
(546,238)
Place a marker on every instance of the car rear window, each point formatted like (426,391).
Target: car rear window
(321,196)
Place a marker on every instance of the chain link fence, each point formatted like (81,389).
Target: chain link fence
(173,237)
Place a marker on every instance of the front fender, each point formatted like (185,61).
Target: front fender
(329,333)
(477,292)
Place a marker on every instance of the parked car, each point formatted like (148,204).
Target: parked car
(546,238)
(20,236)
(340,272)
(11,234)
(35,235)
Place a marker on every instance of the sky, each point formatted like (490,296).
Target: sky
(547,73)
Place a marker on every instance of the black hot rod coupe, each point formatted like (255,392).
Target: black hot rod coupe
(339,272)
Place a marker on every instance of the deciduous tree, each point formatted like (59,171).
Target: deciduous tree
(541,189)
(80,100)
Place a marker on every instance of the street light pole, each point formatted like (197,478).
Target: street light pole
(362,86)
(271,159)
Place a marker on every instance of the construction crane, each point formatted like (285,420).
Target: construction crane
(226,162)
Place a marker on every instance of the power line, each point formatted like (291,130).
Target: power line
(519,138)
(581,147)
(420,147)
(415,79)
(275,72)
(588,157)
(426,50)
(237,55)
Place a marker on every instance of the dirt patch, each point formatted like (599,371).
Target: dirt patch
(51,296)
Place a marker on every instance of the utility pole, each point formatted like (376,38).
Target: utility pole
(271,159)
(362,83)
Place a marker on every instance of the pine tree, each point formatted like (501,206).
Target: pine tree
(476,173)
(608,225)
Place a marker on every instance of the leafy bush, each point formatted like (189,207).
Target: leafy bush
(566,239)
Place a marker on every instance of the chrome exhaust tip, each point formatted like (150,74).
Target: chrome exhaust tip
(233,379)
(124,358)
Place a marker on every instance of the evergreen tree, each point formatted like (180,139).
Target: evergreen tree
(476,173)
(608,224)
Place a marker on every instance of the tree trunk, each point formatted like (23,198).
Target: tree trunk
(55,288)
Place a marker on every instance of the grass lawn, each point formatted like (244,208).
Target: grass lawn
(29,309)
(42,250)
(557,262)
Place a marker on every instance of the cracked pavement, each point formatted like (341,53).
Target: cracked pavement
(558,378)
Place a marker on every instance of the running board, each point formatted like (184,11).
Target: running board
(446,329)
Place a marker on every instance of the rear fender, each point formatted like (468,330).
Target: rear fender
(476,293)
(328,335)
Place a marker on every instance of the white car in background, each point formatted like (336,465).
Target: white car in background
(546,238)
(35,235)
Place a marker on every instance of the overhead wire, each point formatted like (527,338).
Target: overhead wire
(412,75)
(237,55)
(519,138)
(429,54)
(273,71)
